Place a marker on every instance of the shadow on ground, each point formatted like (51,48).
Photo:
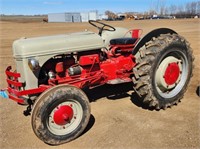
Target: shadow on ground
(116,92)
(111,92)
(198,91)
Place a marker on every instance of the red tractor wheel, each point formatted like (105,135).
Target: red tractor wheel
(60,114)
(164,68)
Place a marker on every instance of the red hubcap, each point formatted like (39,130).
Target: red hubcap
(172,73)
(63,115)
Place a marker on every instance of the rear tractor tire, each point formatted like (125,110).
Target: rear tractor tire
(163,71)
(60,114)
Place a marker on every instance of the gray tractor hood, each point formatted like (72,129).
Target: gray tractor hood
(67,43)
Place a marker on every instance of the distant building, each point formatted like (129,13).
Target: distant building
(103,17)
(73,17)
(86,16)
(56,17)
(93,15)
(64,17)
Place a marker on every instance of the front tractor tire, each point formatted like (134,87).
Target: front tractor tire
(163,71)
(60,114)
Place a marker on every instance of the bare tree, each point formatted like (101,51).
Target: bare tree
(194,8)
(152,12)
(172,9)
(188,8)
(110,14)
(162,7)
(198,7)
(185,11)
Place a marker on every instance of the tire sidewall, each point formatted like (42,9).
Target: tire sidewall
(42,110)
(178,46)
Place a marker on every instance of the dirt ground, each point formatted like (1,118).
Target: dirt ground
(118,121)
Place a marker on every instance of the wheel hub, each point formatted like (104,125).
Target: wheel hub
(63,115)
(168,73)
(172,73)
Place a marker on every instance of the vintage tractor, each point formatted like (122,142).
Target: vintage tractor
(52,71)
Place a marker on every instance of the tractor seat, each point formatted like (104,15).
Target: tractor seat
(123,41)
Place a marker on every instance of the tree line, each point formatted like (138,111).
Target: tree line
(189,10)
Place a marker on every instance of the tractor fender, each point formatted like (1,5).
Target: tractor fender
(150,35)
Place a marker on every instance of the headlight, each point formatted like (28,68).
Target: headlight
(33,64)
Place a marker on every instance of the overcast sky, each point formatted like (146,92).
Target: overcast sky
(31,7)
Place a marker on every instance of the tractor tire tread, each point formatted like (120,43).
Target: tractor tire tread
(147,54)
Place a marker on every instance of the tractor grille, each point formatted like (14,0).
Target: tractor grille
(16,89)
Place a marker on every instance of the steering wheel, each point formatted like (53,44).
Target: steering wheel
(101,26)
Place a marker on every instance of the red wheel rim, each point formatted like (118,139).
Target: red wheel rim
(63,115)
(172,73)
